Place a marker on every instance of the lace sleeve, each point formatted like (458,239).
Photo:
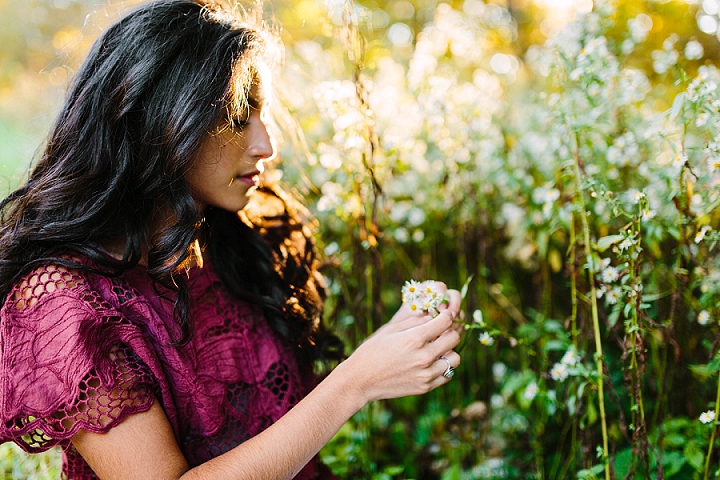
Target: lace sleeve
(65,363)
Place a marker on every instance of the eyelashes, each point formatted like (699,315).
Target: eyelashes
(239,121)
(233,124)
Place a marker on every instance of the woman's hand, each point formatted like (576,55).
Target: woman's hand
(403,357)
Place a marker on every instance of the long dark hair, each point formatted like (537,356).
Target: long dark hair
(151,88)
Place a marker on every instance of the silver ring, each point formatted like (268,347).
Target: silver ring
(450,370)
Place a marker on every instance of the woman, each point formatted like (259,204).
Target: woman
(147,327)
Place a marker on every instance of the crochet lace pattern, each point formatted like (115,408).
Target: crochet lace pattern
(80,350)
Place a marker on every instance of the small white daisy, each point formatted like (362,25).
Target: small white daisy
(486,339)
(609,275)
(613,296)
(648,214)
(570,358)
(679,160)
(530,391)
(559,372)
(707,417)
(713,164)
(703,317)
(701,119)
(410,291)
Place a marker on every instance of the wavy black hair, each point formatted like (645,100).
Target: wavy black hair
(135,114)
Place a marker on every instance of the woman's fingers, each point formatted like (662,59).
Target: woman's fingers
(444,369)
(436,326)
(454,301)
(400,360)
(451,357)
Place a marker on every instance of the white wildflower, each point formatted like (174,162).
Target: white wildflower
(648,214)
(702,119)
(430,296)
(694,50)
(700,235)
(411,291)
(570,358)
(612,296)
(559,372)
(634,195)
(402,235)
(499,370)
(609,275)
(486,339)
(713,164)
(679,160)
(703,317)
(478,318)
(530,391)
(625,244)
(414,306)
(639,27)
(635,290)
(707,417)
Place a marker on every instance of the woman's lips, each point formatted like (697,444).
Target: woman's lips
(249,179)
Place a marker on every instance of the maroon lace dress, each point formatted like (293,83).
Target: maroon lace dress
(82,351)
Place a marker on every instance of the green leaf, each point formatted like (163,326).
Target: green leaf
(554,345)
(591,473)
(694,455)
(672,463)
(677,106)
(623,460)
(394,470)
(614,315)
(674,440)
(605,242)
(709,369)
(553,326)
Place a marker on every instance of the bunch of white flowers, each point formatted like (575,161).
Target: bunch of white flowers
(570,360)
(422,296)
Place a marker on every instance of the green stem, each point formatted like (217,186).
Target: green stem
(712,436)
(574,334)
(594,310)
(573,289)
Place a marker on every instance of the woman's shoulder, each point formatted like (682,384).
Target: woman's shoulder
(62,343)
(56,286)
(49,279)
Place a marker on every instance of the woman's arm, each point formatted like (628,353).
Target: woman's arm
(400,359)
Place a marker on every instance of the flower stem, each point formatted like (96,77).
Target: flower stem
(594,309)
(712,435)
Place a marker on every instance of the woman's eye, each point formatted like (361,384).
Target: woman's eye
(240,122)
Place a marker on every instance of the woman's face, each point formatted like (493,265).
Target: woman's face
(231,158)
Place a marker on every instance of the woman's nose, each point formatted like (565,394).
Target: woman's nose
(261,147)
